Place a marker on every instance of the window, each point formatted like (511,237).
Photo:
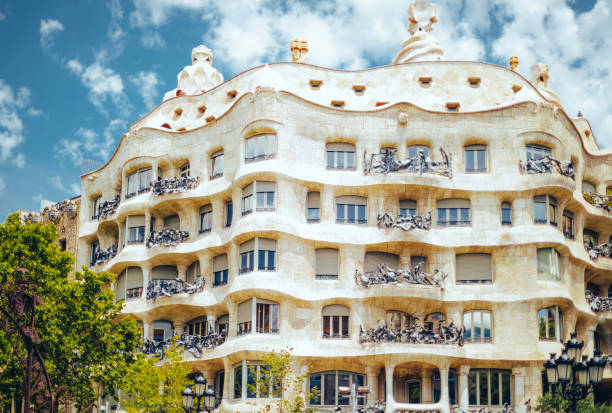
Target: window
(590,238)
(415,151)
(162,330)
(205,218)
(172,221)
(549,264)
(477,324)
(407,207)
(193,271)
(550,323)
(129,284)
(335,321)
(488,387)
(398,320)
(313,200)
(375,258)
(588,187)
(327,384)
(340,155)
(453,212)
(164,272)
(545,210)
(220,270)
(95,247)
(184,170)
(536,152)
(197,327)
(433,322)
(568,224)
(506,213)
(136,229)
(262,250)
(413,391)
(95,204)
(222,324)
(351,209)
(474,268)
(476,158)
(326,264)
(139,181)
(264,196)
(62,244)
(260,147)
(229,211)
(216,164)
(246,375)
(265,312)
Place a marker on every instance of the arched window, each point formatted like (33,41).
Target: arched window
(260,147)
(374,258)
(588,187)
(453,212)
(197,327)
(335,321)
(340,155)
(138,181)
(477,324)
(550,323)
(172,221)
(206,218)
(327,384)
(216,164)
(536,152)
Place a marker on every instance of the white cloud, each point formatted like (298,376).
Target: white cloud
(103,84)
(48,29)
(2,16)
(152,40)
(19,160)
(147,83)
(157,12)
(75,188)
(89,143)
(2,184)
(45,203)
(12,106)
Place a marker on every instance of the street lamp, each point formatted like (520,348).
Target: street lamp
(200,400)
(572,378)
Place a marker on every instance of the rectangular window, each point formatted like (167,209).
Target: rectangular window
(261,249)
(351,209)
(477,325)
(139,181)
(216,164)
(326,263)
(247,199)
(267,318)
(488,387)
(220,270)
(474,268)
(536,152)
(335,326)
(95,206)
(453,212)
(340,155)
(229,211)
(313,200)
(260,147)
(475,158)
(95,247)
(407,207)
(265,195)
(568,224)
(184,170)
(205,218)
(506,213)
(135,228)
(549,264)
(545,210)
(550,323)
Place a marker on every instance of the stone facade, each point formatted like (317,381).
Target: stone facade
(287,145)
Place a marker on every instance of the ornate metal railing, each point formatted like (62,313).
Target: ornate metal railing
(601,250)
(387,275)
(385,162)
(167,237)
(101,256)
(408,222)
(600,201)
(106,208)
(32,217)
(167,288)
(53,211)
(415,334)
(598,304)
(546,165)
(195,344)
(175,185)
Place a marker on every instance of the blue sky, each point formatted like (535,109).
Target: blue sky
(76,74)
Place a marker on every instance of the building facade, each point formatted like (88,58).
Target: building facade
(421,229)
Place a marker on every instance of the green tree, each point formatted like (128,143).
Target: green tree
(79,331)
(156,387)
(554,403)
(278,376)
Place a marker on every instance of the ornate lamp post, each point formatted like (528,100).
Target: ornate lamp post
(574,379)
(201,399)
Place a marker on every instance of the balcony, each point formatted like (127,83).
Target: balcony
(168,288)
(387,275)
(102,256)
(404,222)
(600,201)
(546,165)
(175,185)
(598,304)
(415,334)
(601,250)
(195,344)
(107,208)
(168,237)
(385,162)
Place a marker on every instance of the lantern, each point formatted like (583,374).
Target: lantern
(187,399)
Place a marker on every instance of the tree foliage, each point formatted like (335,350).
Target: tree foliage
(554,403)
(156,388)
(80,334)
(279,377)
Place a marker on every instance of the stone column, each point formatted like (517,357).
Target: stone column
(603,290)
(390,401)
(148,228)
(426,392)
(179,327)
(589,340)
(227,367)
(444,396)
(182,271)
(327,205)
(120,242)
(519,386)
(372,381)
(146,329)
(146,277)
(464,396)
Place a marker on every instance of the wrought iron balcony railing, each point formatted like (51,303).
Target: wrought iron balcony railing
(387,275)
(175,185)
(195,344)
(415,334)
(167,288)
(167,237)
(596,251)
(405,222)
(106,208)
(547,165)
(600,201)
(101,256)
(385,162)
(598,304)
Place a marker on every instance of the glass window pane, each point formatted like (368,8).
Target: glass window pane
(251,382)
(350,160)
(552,214)
(331,159)
(472,385)
(335,326)
(261,202)
(270,203)
(229,211)
(344,381)
(261,265)
(483,386)
(469,161)
(313,214)
(467,323)
(345,326)
(237,382)
(340,212)
(441,216)
(340,160)
(271,256)
(539,210)
(350,213)
(465,216)
(506,216)
(542,318)
(505,377)
(477,326)
(486,321)
(326,326)
(329,390)
(482,160)
(452,216)
(552,326)
(361,214)
(495,388)
(315,389)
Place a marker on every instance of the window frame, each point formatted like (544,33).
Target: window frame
(549,276)
(500,380)
(310,195)
(506,206)
(550,204)
(339,400)
(568,216)
(336,326)
(256,141)
(557,316)
(252,257)
(356,208)
(229,213)
(215,162)
(471,327)
(139,177)
(537,151)
(206,216)
(95,206)
(475,152)
(460,214)
(341,160)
